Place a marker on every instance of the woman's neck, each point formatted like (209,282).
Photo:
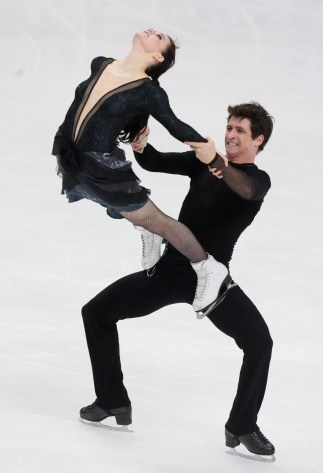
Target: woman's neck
(133,64)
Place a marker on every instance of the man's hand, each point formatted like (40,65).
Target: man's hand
(141,141)
(206,152)
(216,172)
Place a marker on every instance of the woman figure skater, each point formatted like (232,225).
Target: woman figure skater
(112,106)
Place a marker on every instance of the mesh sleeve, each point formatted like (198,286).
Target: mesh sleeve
(250,183)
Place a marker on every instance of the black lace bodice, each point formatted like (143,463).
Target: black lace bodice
(102,126)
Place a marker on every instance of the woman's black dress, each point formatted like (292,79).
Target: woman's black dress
(91,164)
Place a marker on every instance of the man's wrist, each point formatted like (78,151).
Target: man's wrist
(217,158)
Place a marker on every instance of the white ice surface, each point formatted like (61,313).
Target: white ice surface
(181,373)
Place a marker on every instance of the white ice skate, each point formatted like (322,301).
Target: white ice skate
(213,283)
(151,248)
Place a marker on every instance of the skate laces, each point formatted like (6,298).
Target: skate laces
(201,287)
(147,244)
(258,437)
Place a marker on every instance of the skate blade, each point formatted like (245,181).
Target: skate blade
(200,314)
(252,456)
(120,428)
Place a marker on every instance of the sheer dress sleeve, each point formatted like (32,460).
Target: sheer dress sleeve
(156,103)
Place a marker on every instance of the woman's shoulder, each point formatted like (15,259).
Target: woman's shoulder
(155,89)
(97,61)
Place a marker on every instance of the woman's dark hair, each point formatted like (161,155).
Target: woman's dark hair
(158,69)
(139,123)
(261,123)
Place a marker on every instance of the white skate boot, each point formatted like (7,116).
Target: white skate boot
(151,248)
(213,283)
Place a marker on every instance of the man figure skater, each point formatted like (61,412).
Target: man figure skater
(224,197)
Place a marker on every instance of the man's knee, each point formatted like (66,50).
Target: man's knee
(259,341)
(92,312)
(265,346)
(269,342)
(263,343)
(87,311)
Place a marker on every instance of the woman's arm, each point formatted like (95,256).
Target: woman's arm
(156,103)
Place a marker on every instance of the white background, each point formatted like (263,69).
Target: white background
(181,373)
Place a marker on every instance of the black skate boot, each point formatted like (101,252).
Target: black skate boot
(94,413)
(255,442)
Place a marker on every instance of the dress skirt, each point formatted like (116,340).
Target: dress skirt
(105,178)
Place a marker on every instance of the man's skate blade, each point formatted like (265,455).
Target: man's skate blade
(204,312)
(101,424)
(251,456)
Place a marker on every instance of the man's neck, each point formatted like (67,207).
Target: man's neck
(242,159)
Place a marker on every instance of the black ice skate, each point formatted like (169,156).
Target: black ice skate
(255,442)
(95,414)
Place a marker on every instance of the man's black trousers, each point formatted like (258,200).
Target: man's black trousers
(174,282)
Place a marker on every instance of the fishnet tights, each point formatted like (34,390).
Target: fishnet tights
(178,235)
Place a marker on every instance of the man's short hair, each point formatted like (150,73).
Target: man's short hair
(261,123)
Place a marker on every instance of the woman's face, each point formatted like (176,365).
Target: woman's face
(152,41)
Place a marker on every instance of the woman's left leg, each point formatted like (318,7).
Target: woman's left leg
(154,220)
(211,275)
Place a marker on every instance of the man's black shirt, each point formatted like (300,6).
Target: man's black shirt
(211,210)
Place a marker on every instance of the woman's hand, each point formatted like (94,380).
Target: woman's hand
(206,152)
(140,142)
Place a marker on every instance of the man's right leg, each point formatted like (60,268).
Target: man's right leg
(133,296)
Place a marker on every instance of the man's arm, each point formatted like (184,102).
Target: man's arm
(250,184)
(152,160)
(248,187)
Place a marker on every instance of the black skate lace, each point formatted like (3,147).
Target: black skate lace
(147,245)
(143,244)
(258,438)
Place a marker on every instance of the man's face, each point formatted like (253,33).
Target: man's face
(238,140)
